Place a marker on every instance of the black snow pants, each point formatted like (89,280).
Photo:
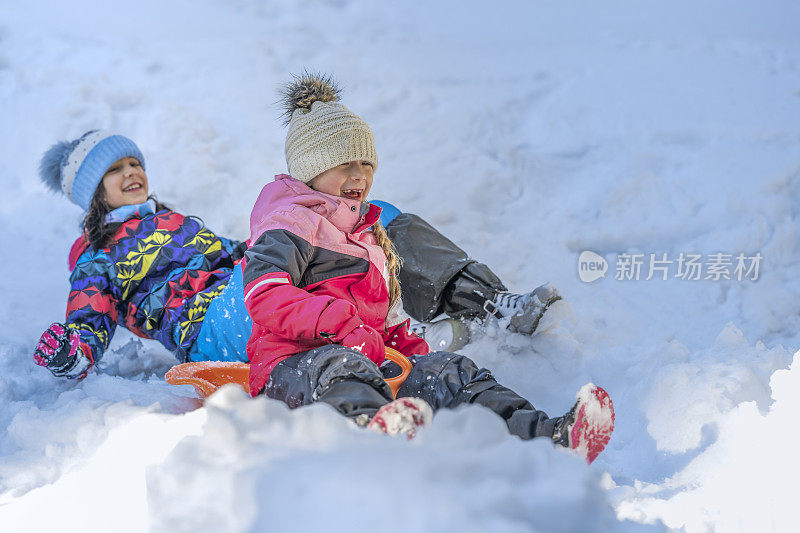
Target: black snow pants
(436,275)
(353,385)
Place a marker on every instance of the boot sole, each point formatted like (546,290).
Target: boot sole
(402,416)
(527,325)
(594,422)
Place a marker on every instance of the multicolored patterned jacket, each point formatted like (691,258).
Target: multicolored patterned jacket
(314,264)
(157,278)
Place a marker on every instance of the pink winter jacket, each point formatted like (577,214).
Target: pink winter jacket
(312,269)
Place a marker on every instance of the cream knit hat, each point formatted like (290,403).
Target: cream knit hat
(322,132)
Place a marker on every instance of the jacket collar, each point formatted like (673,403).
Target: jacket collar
(121,214)
(350,216)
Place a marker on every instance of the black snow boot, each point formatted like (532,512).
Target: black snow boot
(475,293)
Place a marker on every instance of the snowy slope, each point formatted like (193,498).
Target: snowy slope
(528,132)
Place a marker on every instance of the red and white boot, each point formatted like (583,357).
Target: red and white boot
(402,416)
(588,426)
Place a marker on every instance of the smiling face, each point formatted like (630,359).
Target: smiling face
(351,180)
(125,183)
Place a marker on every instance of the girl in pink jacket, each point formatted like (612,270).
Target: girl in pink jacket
(321,285)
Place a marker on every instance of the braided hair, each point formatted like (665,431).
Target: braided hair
(393,261)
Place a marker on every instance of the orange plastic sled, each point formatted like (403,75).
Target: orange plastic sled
(207,376)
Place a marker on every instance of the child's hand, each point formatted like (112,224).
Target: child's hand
(61,351)
(367,341)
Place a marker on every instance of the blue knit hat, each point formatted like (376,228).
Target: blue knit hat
(77,167)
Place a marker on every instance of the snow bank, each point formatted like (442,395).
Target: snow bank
(744,481)
(310,469)
(105,489)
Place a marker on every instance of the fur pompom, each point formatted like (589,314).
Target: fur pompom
(306,89)
(53,161)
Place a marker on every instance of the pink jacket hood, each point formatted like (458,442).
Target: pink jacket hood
(349,216)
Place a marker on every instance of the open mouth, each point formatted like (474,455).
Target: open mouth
(353,194)
(132,188)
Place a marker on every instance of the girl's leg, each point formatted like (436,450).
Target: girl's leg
(439,277)
(432,266)
(341,377)
(446,379)
(226,326)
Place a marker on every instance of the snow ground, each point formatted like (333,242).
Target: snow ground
(528,132)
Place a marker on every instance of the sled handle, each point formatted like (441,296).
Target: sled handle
(405,366)
(207,376)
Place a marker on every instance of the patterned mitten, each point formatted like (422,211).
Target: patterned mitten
(61,351)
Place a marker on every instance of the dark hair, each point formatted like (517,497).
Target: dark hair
(95,229)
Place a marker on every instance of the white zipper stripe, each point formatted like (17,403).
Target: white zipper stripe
(266,281)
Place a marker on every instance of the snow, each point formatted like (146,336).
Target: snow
(529,133)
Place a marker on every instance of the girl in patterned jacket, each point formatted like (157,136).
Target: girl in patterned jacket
(138,264)
(321,287)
